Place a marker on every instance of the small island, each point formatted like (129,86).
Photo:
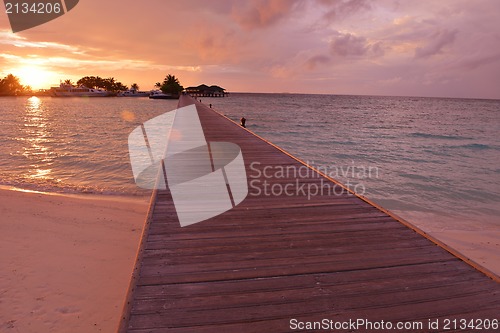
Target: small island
(170,88)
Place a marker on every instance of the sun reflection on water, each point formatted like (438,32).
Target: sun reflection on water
(37,138)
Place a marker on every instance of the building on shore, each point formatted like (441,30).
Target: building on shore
(205,91)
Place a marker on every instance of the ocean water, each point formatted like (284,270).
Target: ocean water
(426,159)
(429,160)
(72,145)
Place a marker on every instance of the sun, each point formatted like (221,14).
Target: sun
(35,77)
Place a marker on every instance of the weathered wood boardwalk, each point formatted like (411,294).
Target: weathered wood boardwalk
(275,258)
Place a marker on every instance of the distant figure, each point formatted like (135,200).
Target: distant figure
(210,105)
(242,122)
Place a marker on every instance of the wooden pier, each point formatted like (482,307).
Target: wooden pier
(279,257)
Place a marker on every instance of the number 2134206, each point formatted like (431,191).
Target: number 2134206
(33,8)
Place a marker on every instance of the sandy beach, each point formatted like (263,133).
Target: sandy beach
(480,244)
(66,260)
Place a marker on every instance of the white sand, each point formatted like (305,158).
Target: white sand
(66,261)
(479,242)
(482,247)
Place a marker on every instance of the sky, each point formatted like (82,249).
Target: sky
(446,48)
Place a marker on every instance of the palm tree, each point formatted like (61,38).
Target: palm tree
(10,85)
(158,85)
(68,82)
(171,85)
(134,86)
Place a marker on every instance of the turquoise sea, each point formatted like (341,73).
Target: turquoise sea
(435,158)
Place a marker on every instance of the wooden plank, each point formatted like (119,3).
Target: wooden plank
(448,301)
(440,272)
(277,257)
(363,293)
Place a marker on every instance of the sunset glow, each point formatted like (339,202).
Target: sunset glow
(388,47)
(249,166)
(35,77)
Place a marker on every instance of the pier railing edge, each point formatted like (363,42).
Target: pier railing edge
(127,306)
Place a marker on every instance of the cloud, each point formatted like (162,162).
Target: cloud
(255,45)
(480,61)
(218,45)
(61,63)
(340,9)
(258,14)
(11,39)
(350,45)
(314,61)
(437,42)
(69,62)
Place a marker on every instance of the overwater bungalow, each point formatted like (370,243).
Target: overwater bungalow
(205,91)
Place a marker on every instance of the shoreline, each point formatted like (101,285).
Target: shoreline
(66,259)
(120,197)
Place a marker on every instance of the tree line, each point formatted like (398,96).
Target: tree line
(96,82)
(11,86)
(170,84)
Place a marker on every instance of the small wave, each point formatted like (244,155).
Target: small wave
(437,136)
(381,127)
(415,176)
(61,188)
(341,143)
(475,146)
(439,153)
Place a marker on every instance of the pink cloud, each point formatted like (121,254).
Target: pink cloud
(314,61)
(478,61)
(436,43)
(265,45)
(347,44)
(339,9)
(262,13)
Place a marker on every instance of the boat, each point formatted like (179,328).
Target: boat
(133,93)
(158,94)
(68,90)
